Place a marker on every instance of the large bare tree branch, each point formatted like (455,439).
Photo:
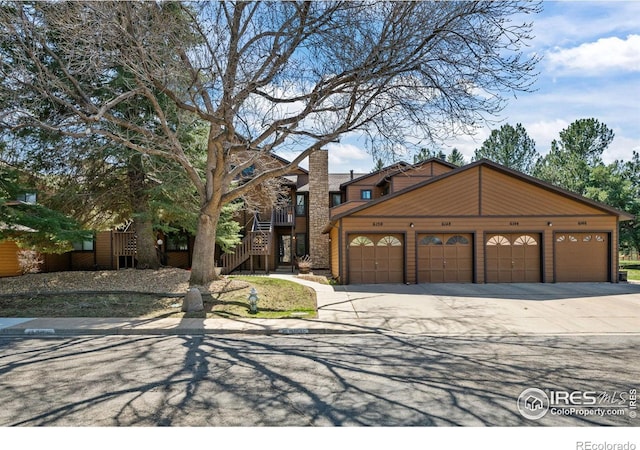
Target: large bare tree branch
(261,76)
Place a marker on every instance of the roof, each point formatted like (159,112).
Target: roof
(407,168)
(16,227)
(335,181)
(485,162)
(382,173)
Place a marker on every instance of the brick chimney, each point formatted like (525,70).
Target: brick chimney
(319,208)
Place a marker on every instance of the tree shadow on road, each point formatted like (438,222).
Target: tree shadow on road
(317,380)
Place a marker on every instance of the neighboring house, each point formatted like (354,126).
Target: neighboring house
(430,222)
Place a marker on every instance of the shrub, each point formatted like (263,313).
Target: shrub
(29,261)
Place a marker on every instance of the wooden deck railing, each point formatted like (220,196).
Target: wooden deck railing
(124,243)
(283,216)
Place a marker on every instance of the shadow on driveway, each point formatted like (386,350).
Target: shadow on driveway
(515,291)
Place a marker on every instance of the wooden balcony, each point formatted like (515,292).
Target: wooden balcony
(284,216)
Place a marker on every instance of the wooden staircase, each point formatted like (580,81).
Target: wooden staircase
(256,242)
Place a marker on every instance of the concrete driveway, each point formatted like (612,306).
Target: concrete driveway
(563,308)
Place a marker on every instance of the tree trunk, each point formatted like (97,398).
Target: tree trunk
(203,264)
(146,241)
(147,254)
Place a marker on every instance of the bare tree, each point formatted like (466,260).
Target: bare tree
(263,76)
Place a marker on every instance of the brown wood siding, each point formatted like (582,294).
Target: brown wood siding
(83,261)
(354,191)
(103,250)
(400,182)
(413,176)
(57,263)
(454,196)
(439,169)
(9,266)
(178,259)
(335,252)
(344,207)
(505,195)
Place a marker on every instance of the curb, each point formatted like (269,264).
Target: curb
(51,332)
(67,332)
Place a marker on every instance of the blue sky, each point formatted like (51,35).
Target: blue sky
(590,68)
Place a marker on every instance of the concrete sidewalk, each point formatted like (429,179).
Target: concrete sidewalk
(443,309)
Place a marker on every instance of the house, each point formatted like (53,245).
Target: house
(430,222)
(480,223)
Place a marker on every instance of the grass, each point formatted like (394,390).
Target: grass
(632,268)
(277,299)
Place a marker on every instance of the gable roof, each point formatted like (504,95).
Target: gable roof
(410,167)
(623,215)
(379,174)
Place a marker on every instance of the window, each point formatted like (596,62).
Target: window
(177,243)
(431,240)
(498,240)
(361,241)
(389,241)
(525,240)
(301,205)
(83,246)
(365,194)
(27,197)
(457,239)
(301,244)
(336,199)
(248,172)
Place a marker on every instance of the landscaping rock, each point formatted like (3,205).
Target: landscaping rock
(193,301)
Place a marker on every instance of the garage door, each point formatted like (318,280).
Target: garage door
(513,258)
(376,258)
(445,258)
(582,257)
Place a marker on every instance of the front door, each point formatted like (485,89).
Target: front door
(284,246)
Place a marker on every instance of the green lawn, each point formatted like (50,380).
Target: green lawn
(632,268)
(276,299)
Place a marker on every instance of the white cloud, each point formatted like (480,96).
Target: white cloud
(621,148)
(545,131)
(344,157)
(605,54)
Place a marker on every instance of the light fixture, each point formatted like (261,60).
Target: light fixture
(549,224)
(411,225)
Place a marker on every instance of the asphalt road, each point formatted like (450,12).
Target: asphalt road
(306,380)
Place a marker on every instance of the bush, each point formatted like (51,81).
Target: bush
(29,261)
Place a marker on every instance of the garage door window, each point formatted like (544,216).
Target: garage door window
(390,241)
(431,240)
(525,240)
(361,241)
(454,240)
(498,240)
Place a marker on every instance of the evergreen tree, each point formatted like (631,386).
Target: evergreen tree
(572,158)
(511,147)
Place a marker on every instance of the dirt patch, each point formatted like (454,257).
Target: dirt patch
(164,281)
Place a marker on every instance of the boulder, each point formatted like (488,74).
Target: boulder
(193,301)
